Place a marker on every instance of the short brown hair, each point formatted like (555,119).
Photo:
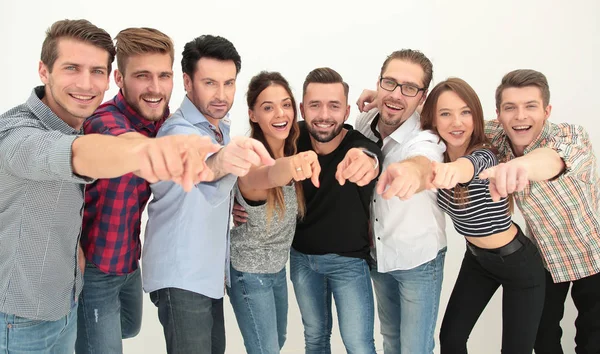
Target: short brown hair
(81,30)
(523,78)
(415,57)
(135,41)
(325,76)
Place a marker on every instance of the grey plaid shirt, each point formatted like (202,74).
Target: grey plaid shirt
(41,206)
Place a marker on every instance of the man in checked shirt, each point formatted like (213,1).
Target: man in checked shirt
(553,173)
(110,304)
(44,164)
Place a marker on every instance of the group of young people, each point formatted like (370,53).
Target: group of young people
(350,209)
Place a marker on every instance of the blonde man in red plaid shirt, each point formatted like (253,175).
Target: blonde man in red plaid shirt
(553,173)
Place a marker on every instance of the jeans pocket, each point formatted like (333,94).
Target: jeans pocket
(22,322)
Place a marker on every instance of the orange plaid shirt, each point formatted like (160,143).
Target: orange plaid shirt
(562,214)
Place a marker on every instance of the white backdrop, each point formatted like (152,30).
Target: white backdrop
(478,41)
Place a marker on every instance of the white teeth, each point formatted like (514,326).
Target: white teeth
(522,127)
(323,125)
(456,132)
(280,125)
(392,106)
(80,97)
(152,100)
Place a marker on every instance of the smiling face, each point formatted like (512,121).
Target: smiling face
(454,122)
(147,83)
(522,115)
(394,107)
(75,84)
(274,113)
(325,109)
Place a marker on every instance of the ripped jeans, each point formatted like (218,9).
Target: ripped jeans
(110,309)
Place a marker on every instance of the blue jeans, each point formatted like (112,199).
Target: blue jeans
(21,335)
(407,304)
(260,303)
(316,278)
(192,323)
(110,308)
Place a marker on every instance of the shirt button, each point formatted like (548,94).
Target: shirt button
(374,200)
(379,238)
(376,219)
(9,326)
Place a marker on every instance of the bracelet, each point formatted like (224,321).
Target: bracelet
(373,156)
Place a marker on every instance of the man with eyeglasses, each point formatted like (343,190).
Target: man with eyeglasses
(409,240)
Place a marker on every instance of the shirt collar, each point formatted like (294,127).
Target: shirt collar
(135,118)
(509,152)
(404,131)
(544,135)
(194,116)
(45,114)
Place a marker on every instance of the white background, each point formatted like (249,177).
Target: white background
(478,41)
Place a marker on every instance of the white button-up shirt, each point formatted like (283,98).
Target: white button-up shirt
(407,233)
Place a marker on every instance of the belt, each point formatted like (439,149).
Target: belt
(503,251)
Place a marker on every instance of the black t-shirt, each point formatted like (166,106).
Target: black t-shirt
(337,217)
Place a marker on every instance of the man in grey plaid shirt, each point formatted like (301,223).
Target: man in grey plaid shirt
(44,165)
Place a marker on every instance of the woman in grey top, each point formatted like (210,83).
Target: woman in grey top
(273,200)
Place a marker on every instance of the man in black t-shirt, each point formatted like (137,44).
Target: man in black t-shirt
(330,252)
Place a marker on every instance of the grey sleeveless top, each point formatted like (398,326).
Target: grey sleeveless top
(258,248)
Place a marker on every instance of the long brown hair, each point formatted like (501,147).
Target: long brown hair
(478,138)
(257,85)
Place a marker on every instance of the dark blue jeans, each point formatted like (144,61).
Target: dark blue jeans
(110,309)
(192,323)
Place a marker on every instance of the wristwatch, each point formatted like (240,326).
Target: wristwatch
(373,156)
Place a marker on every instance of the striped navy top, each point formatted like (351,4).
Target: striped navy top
(480,216)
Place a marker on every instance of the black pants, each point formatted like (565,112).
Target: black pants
(192,323)
(586,297)
(521,275)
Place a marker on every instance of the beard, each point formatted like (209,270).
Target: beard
(324,137)
(146,112)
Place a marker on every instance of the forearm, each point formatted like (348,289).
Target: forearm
(466,170)
(104,156)
(267,177)
(542,164)
(422,166)
(215,163)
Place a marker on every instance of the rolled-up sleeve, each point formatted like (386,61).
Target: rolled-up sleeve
(426,144)
(573,145)
(36,154)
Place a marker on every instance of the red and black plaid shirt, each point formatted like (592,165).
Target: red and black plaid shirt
(110,235)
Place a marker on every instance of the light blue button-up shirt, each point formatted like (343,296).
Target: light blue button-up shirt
(187,235)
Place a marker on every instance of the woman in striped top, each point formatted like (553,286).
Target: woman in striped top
(498,253)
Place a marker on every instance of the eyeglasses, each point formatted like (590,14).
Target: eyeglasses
(406,89)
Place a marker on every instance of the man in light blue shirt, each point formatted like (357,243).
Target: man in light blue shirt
(186,251)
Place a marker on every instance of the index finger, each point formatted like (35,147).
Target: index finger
(383,182)
(316,171)
(487,173)
(261,151)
